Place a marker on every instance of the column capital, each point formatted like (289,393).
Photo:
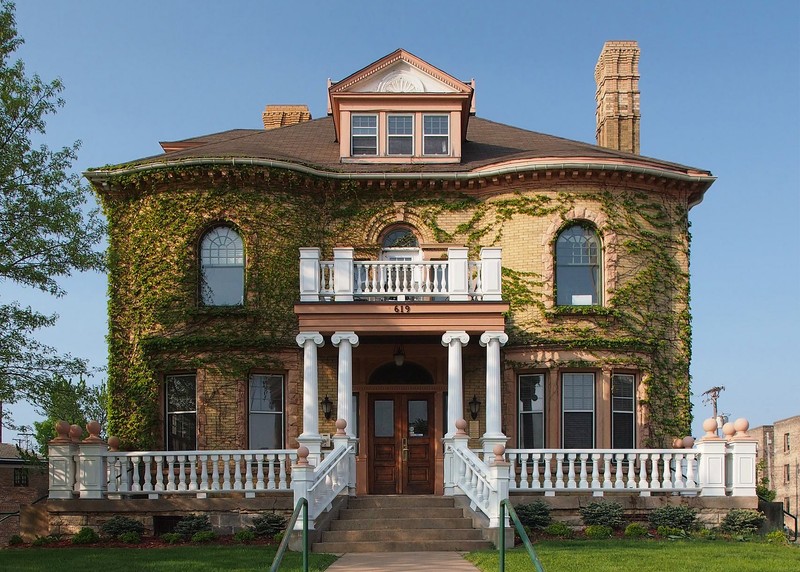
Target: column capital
(315,337)
(449,337)
(339,337)
(487,337)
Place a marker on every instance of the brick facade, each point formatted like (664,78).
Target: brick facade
(20,486)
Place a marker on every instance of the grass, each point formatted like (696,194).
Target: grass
(647,556)
(177,558)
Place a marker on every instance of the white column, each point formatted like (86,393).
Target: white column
(742,451)
(494,434)
(310,341)
(491,274)
(345,341)
(711,467)
(455,391)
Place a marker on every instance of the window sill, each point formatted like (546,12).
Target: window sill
(238,310)
(581,311)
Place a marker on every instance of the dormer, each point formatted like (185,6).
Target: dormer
(400,109)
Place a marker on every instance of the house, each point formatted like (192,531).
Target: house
(587,321)
(21,484)
(779,462)
(414,280)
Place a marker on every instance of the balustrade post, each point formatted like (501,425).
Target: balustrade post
(742,450)
(92,472)
(309,275)
(499,472)
(711,469)
(491,272)
(458,274)
(310,436)
(340,440)
(343,274)
(61,463)
(302,479)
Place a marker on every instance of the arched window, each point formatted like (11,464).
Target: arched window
(578,272)
(400,237)
(222,268)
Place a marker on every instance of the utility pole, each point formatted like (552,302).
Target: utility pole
(711,396)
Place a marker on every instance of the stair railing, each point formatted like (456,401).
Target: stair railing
(505,504)
(302,505)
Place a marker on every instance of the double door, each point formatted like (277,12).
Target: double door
(401,444)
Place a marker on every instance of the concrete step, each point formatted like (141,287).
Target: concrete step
(401,524)
(411,535)
(397,546)
(399,513)
(400,501)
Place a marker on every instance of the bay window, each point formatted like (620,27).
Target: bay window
(266,411)
(531,411)
(577,394)
(181,417)
(622,411)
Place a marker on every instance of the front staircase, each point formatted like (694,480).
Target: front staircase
(401,523)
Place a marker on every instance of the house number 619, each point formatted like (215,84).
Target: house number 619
(404,309)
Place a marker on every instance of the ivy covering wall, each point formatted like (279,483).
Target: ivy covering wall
(156,219)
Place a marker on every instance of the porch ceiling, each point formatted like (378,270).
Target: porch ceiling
(375,318)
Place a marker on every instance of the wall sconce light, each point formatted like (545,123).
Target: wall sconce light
(399,356)
(327,407)
(474,407)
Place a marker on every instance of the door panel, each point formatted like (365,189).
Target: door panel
(401,444)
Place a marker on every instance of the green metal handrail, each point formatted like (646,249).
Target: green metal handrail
(302,505)
(522,534)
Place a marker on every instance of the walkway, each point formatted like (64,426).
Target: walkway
(401,562)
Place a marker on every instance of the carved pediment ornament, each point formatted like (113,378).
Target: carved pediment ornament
(400,82)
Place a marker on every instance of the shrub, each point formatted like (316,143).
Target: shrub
(742,521)
(559,529)
(44,540)
(116,526)
(603,513)
(15,540)
(172,537)
(764,492)
(130,537)
(244,536)
(203,536)
(190,525)
(85,535)
(597,531)
(268,524)
(681,517)
(635,530)
(704,534)
(776,537)
(671,532)
(535,514)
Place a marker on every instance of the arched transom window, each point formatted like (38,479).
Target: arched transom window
(222,267)
(578,269)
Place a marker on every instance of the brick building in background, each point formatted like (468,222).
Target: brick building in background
(779,453)
(20,486)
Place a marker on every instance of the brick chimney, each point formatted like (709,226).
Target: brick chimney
(617,77)
(275,116)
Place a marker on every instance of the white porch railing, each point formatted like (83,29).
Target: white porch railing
(604,470)
(158,473)
(346,279)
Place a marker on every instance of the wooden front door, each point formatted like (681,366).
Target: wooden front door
(401,444)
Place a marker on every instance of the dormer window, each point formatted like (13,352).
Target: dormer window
(436,134)
(365,135)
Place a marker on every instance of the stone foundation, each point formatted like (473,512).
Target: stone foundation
(227,515)
(564,507)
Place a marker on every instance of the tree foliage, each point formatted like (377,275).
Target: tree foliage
(47,230)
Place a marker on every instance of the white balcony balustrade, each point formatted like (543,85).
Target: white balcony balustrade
(345,279)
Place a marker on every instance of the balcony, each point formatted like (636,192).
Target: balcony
(455,279)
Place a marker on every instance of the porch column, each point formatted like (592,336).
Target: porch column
(343,275)
(494,433)
(310,341)
(309,274)
(345,341)
(455,392)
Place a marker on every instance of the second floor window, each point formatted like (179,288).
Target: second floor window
(400,134)
(364,131)
(578,267)
(222,268)
(436,135)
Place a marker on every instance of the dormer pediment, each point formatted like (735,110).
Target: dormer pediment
(435,107)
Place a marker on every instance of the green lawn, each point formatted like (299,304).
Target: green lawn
(647,556)
(178,558)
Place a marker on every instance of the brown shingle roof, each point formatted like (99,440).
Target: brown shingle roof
(313,144)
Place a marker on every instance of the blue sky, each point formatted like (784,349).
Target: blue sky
(720,90)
